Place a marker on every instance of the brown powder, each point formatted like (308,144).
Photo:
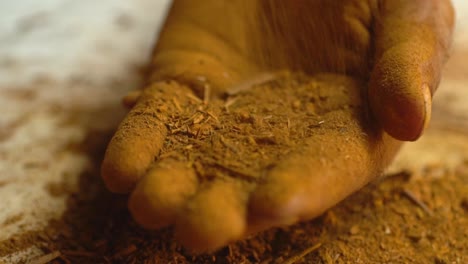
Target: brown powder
(97,228)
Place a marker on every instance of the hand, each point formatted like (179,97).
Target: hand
(211,47)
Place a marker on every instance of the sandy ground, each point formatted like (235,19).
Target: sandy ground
(64,66)
(59,57)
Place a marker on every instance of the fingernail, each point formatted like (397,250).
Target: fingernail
(427,105)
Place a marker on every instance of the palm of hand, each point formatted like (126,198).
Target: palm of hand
(220,46)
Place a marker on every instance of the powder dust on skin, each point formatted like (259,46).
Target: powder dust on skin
(231,143)
(285,150)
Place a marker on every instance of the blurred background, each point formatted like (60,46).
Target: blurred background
(65,64)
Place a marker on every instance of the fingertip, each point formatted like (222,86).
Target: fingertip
(160,195)
(286,197)
(403,117)
(131,151)
(400,96)
(215,216)
(123,165)
(117,178)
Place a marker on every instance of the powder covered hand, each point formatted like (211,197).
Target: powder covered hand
(411,41)
(393,49)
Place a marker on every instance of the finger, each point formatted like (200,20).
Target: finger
(160,195)
(328,168)
(412,41)
(139,137)
(215,216)
(196,46)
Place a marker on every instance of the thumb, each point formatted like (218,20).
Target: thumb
(412,40)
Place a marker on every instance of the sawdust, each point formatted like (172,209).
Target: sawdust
(381,223)
(215,154)
(244,133)
(377,225)
(397,220)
